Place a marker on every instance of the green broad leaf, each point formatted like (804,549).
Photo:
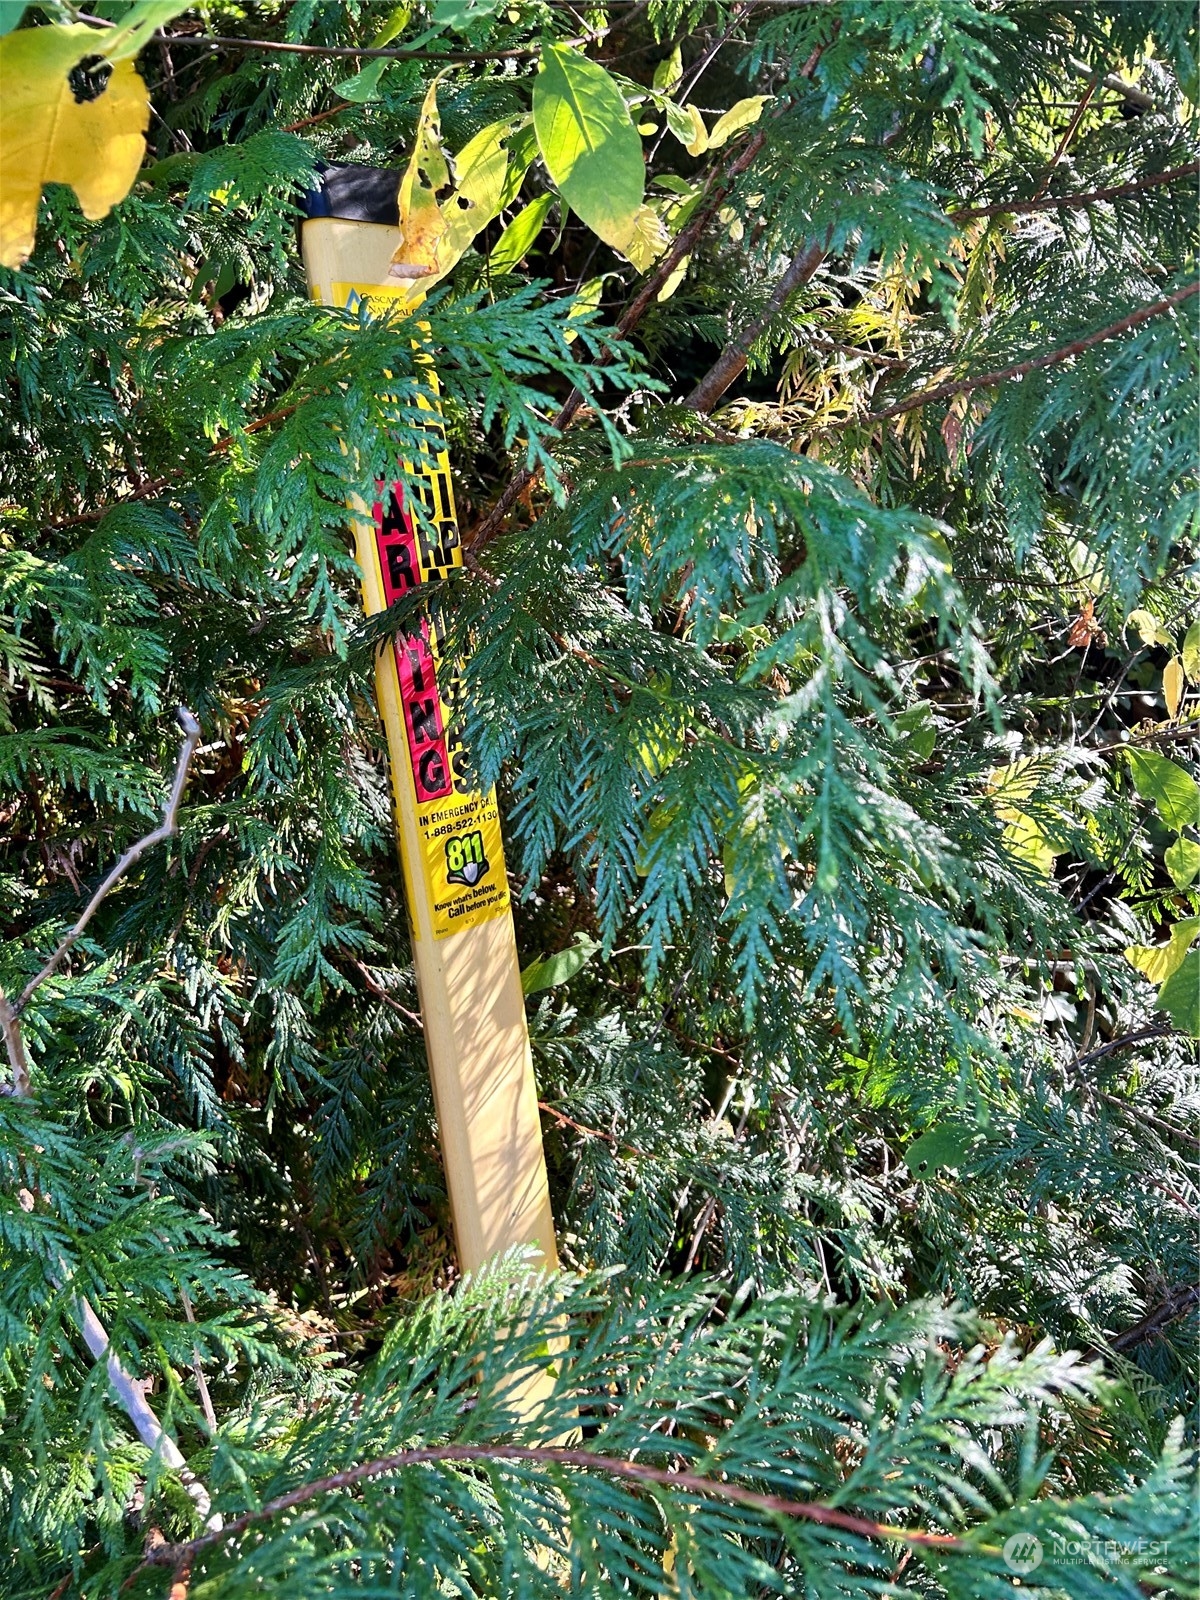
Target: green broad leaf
(1179,996)
(680,122)
(1175,793)
(136,26)
(461,15)
(668,72)
(515,243)
(1150,630)
(919,729)
(1191,653)
(522,147)
(1158,961)
(590,146)
(10,14)
(1182,861)
(560,968)
(398,20)
(364,85)
(945,1145)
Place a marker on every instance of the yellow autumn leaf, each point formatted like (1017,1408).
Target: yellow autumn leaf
(47,136)
(699,139)
(675,279)
(1015,782)
(588,299)
(444,203)
(1173,682)
(1158,961)
(1027,841)
(426,175)
(649,238)
(739,116)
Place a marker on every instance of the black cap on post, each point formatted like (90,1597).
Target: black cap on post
(355,194)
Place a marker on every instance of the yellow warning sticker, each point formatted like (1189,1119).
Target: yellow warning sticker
(460,872)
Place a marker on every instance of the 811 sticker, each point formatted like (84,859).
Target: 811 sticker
(460,870)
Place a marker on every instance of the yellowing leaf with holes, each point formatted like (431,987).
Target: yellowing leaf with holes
(47,136)
(444,203)
(1191,653)
(427,174)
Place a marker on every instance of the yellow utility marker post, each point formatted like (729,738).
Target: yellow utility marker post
(464,948)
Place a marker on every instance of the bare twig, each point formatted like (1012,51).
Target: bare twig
(1019,369)
(381,993)
(1067,202)
(731,363)
(168,1555)
(1071,130)
(720,185)
(1177,1304)
(364,52)
(14,1047)
(1118,85)
(1125,1042)
(130,1391)
(165,830)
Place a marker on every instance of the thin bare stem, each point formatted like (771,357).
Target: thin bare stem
(130,1391)
(990,380)
(731,363)
(1077,201)
(168,1555)
(719,186)
(168,827)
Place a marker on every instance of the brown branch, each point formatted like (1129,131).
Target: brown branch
(161,1555)
(1071,130)
(1177,1304)
(381,993)
(490,524)
(1064,202)
(990,380)
(1125,1042)
(130,1391)
(165,830)
(14,1046)
(731,363)
(364,52)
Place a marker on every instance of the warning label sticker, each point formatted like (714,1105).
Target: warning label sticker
(461,871)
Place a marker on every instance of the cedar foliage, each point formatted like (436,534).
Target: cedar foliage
(833,723)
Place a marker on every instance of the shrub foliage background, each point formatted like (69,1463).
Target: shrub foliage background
(839,667)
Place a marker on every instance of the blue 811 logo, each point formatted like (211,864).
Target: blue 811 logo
(465,860)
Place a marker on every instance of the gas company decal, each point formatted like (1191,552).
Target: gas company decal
(461,866)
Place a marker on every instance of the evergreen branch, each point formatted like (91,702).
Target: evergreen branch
(1088,197)
(685,243)
(175,1555)
(731,363)
(130,1391)
(1177,1304)
(165,830)
(1019,369)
